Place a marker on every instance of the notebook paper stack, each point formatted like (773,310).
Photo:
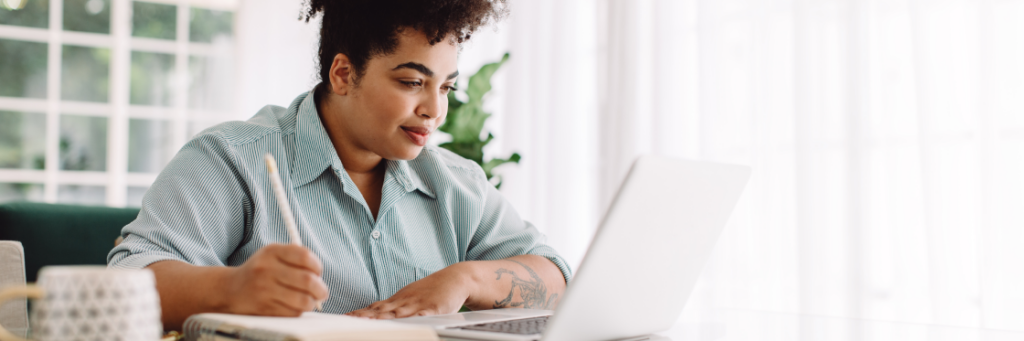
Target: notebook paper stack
(308,327)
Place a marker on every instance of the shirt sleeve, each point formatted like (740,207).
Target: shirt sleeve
(503,234)
(194,212)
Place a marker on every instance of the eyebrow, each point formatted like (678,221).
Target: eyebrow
(423,69)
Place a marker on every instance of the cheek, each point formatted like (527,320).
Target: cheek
(391,107)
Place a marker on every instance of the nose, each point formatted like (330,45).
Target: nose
(432,106)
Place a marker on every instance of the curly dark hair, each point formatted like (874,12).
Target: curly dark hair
(362,29)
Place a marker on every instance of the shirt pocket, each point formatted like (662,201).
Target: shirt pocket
(424,272)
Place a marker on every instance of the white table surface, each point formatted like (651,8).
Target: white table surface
(729,325)
(735,325)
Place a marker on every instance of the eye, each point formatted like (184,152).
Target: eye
(412,84)
(449,88)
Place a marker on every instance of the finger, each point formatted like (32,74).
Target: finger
(360,313)
(375,306)
(385,315)
(385,312)
(388,306)
(299,257)
(405,311)
(295,300)
(277,308)
(304,281)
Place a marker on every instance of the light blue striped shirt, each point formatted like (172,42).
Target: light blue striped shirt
(213,205)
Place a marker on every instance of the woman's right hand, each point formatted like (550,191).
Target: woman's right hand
(278,280)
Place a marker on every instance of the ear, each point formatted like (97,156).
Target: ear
(342,75)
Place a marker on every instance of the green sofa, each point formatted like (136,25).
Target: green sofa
(62,234)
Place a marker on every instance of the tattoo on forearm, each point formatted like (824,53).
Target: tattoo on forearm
(534,292)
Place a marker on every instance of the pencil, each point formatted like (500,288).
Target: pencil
(286,209)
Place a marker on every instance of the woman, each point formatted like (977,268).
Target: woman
(391,227)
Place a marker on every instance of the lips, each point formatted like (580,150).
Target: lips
(418,135)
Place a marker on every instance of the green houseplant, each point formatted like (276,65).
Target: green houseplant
(465,122)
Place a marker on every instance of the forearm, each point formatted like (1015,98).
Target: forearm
(526,281)
(187,289)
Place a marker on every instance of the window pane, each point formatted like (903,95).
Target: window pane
(152,78)
(23,69)
(148,145)
(82,195)
(134,197)
(31,13)
(210,85)
(87,15)
(20,192)
(22,142)
(151,20)
(207,25)
(83,143)
(85,73)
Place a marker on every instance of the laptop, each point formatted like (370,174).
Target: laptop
(640,267)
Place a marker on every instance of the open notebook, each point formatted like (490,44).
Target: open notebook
(308,327)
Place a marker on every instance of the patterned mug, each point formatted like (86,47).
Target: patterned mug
(91,303)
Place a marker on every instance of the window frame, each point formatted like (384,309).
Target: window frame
(118,111)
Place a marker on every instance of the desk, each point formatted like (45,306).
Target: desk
(729,325)
(735,325)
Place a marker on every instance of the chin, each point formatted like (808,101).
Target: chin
(406,153)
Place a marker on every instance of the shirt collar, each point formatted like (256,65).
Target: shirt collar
(314,146)
(408,177)
(313,149)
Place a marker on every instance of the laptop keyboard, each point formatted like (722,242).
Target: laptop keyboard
(533,325)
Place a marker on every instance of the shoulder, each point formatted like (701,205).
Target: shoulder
(450,159)
(271,120)
(441,157)
(447,172)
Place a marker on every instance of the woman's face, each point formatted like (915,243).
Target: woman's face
(401,98)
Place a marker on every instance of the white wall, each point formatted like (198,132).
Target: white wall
(277,54)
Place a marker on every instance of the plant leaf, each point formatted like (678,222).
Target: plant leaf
(480,83)
(492,163)
(465,121)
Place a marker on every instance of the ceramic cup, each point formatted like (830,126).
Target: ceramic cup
(91,303)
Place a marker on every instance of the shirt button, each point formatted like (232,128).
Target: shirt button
(375,234)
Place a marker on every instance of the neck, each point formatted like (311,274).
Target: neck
(353,157)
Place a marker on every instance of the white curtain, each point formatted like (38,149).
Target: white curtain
(887,137)
(545,107)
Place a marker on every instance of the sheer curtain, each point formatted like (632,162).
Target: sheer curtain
(887,137)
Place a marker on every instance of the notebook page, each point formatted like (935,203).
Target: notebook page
(313,325)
